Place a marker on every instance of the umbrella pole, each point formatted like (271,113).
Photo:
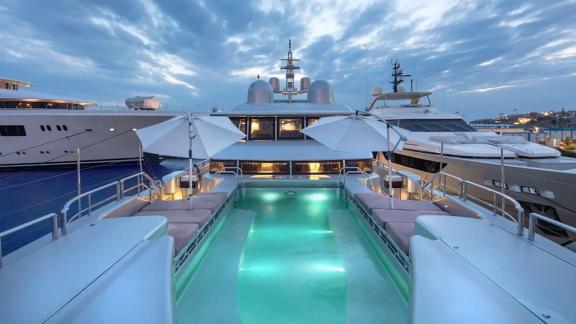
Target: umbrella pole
(190,161)
(390,200)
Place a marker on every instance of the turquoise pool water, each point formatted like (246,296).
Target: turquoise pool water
(290,256)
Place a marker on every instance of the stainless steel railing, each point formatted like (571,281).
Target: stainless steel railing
(231,170)
(143,182)
(346,170)
(463,191)
(532,224)
(18,228)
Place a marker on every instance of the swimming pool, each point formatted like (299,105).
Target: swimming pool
(290,256)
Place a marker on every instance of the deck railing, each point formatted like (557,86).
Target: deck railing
(532,224)
(89,201)
(18,228)
(440,183)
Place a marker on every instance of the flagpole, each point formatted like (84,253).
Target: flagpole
(390,200)
(190,136)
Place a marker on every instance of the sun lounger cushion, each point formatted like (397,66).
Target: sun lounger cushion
(198,216)
(401,233)
(385,216)
(182,234)
(371,200)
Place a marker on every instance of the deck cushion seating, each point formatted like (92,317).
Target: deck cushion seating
(182,234)
(401,233)
(384,216)
(372,200)
(197,216)
(201,202)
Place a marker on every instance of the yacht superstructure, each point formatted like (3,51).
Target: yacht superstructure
(40,129)
(274,143)
(269,244)
(536,175)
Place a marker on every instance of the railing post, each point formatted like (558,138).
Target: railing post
(445,180)
(119,190)
(464,190)
(55,227)
(89,204)
(494,204)
(140,180)
(0,252)
(521,224)
(64,221)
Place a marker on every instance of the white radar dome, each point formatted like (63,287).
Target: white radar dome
(260,92)
(320,91)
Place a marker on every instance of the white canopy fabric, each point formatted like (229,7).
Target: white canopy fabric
(352,133)
(357,132)
(292,150)
(172,137)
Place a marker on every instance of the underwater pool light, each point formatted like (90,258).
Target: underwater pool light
(270,196)
(327,268)
(317,196)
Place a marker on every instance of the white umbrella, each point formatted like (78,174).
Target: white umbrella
(190,136)
(361,131)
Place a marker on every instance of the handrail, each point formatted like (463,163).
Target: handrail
(532,224)
(217,173)
(54,217)
(355,170)
(344,168)
(368,180)
(464,195)
(119,194)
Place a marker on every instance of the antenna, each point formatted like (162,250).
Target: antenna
(398,75)
(290,67)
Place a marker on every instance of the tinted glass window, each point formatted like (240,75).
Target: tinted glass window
(262,128)
(240,122)
(12,130)
(433,125)
(289,128)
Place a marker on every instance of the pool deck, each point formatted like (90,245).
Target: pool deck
(465,269)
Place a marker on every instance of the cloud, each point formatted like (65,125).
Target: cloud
(207,52)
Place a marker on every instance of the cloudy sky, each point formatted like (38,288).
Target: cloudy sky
(480,58)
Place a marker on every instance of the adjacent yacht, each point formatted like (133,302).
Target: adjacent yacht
(40,129)
(536,175)
(284,230)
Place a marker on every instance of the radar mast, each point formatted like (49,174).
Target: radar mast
(290,90)
(398,75)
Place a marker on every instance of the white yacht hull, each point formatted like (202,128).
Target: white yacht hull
(52,137)
(555,187)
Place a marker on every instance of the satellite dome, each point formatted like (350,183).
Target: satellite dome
(260,92)
(143,103)
(320,91)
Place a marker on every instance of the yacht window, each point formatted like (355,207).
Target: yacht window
(262,128)
(49,128)
(311,120)
(265,167)
(58,128)
(433,125)
(240,122)
(312,167)
(42,128)
(289,128)
(12,130)
(364,165)
(65,127)
(216,165)
(416,163)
